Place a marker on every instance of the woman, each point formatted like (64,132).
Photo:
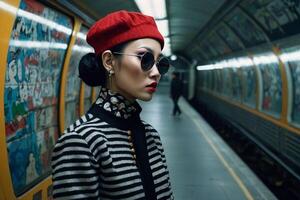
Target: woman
(109,153)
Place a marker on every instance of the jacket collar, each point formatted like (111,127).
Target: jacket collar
(117,105)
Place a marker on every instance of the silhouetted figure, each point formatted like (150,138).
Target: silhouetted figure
(175,92)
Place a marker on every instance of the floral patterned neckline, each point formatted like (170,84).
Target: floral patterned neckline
(117,104)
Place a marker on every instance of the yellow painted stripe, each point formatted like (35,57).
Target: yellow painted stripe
(42,186)
(284,95)
(94,95)
(7,20)
(225,163)
(64,76)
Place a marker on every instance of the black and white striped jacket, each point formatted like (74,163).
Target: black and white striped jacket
(94,159)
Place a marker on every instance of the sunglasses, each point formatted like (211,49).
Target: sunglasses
(148,61)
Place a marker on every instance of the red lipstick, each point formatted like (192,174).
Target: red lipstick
(152,87)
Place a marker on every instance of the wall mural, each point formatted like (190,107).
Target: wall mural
(236,84)
(35,59)
(295,72)
(272,88)
(249,86)
(292,63)
(279,18)
(80,48)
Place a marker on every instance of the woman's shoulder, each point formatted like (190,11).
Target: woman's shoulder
(86,127)
(148,127)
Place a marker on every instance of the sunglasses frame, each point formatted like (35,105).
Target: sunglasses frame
(145,66)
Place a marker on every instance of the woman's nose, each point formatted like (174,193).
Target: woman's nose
(154,72)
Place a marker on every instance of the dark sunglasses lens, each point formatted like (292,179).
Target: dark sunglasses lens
(147,61)
(163,65)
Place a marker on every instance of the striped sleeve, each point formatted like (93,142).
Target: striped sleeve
(164,185)
(74,169)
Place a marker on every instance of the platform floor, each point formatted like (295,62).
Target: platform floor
(201,165)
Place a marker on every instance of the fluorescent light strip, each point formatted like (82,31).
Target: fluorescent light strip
(8,7)
(265,59)
(44,21)
(230,63)
(37,44)
(290,56)
(155,8)
(163,27)
(83,49)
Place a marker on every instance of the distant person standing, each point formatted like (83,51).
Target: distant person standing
(176,92)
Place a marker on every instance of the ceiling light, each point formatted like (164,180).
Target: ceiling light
(155,8)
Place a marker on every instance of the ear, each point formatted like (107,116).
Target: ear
(108,60)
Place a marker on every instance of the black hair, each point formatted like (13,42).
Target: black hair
(91,69)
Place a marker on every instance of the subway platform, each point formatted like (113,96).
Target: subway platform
(201,164)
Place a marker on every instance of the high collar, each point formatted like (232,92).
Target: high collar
(117,105)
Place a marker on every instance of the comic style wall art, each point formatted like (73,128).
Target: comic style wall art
(295,73)
(227,84)
(271,86)
(73,81)
(249,86)
(35,59)
(290,57)
(236,84)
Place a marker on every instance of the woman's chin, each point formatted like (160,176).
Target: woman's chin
(145,97)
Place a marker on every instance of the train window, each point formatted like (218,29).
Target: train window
(218,80)
(204,79)
(249,86)
(227,83)
(291,58)
(37,48)
(236,84)
(80,48)
(295,73)
(210,80)
(271,88)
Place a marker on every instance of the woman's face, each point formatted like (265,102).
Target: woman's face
(129,79)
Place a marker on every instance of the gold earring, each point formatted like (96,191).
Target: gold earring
(110,73)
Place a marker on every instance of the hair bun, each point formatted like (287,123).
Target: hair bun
(90,71)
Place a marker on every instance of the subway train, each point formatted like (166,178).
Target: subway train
(250,75)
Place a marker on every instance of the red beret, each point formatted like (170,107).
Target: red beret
(119,27)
